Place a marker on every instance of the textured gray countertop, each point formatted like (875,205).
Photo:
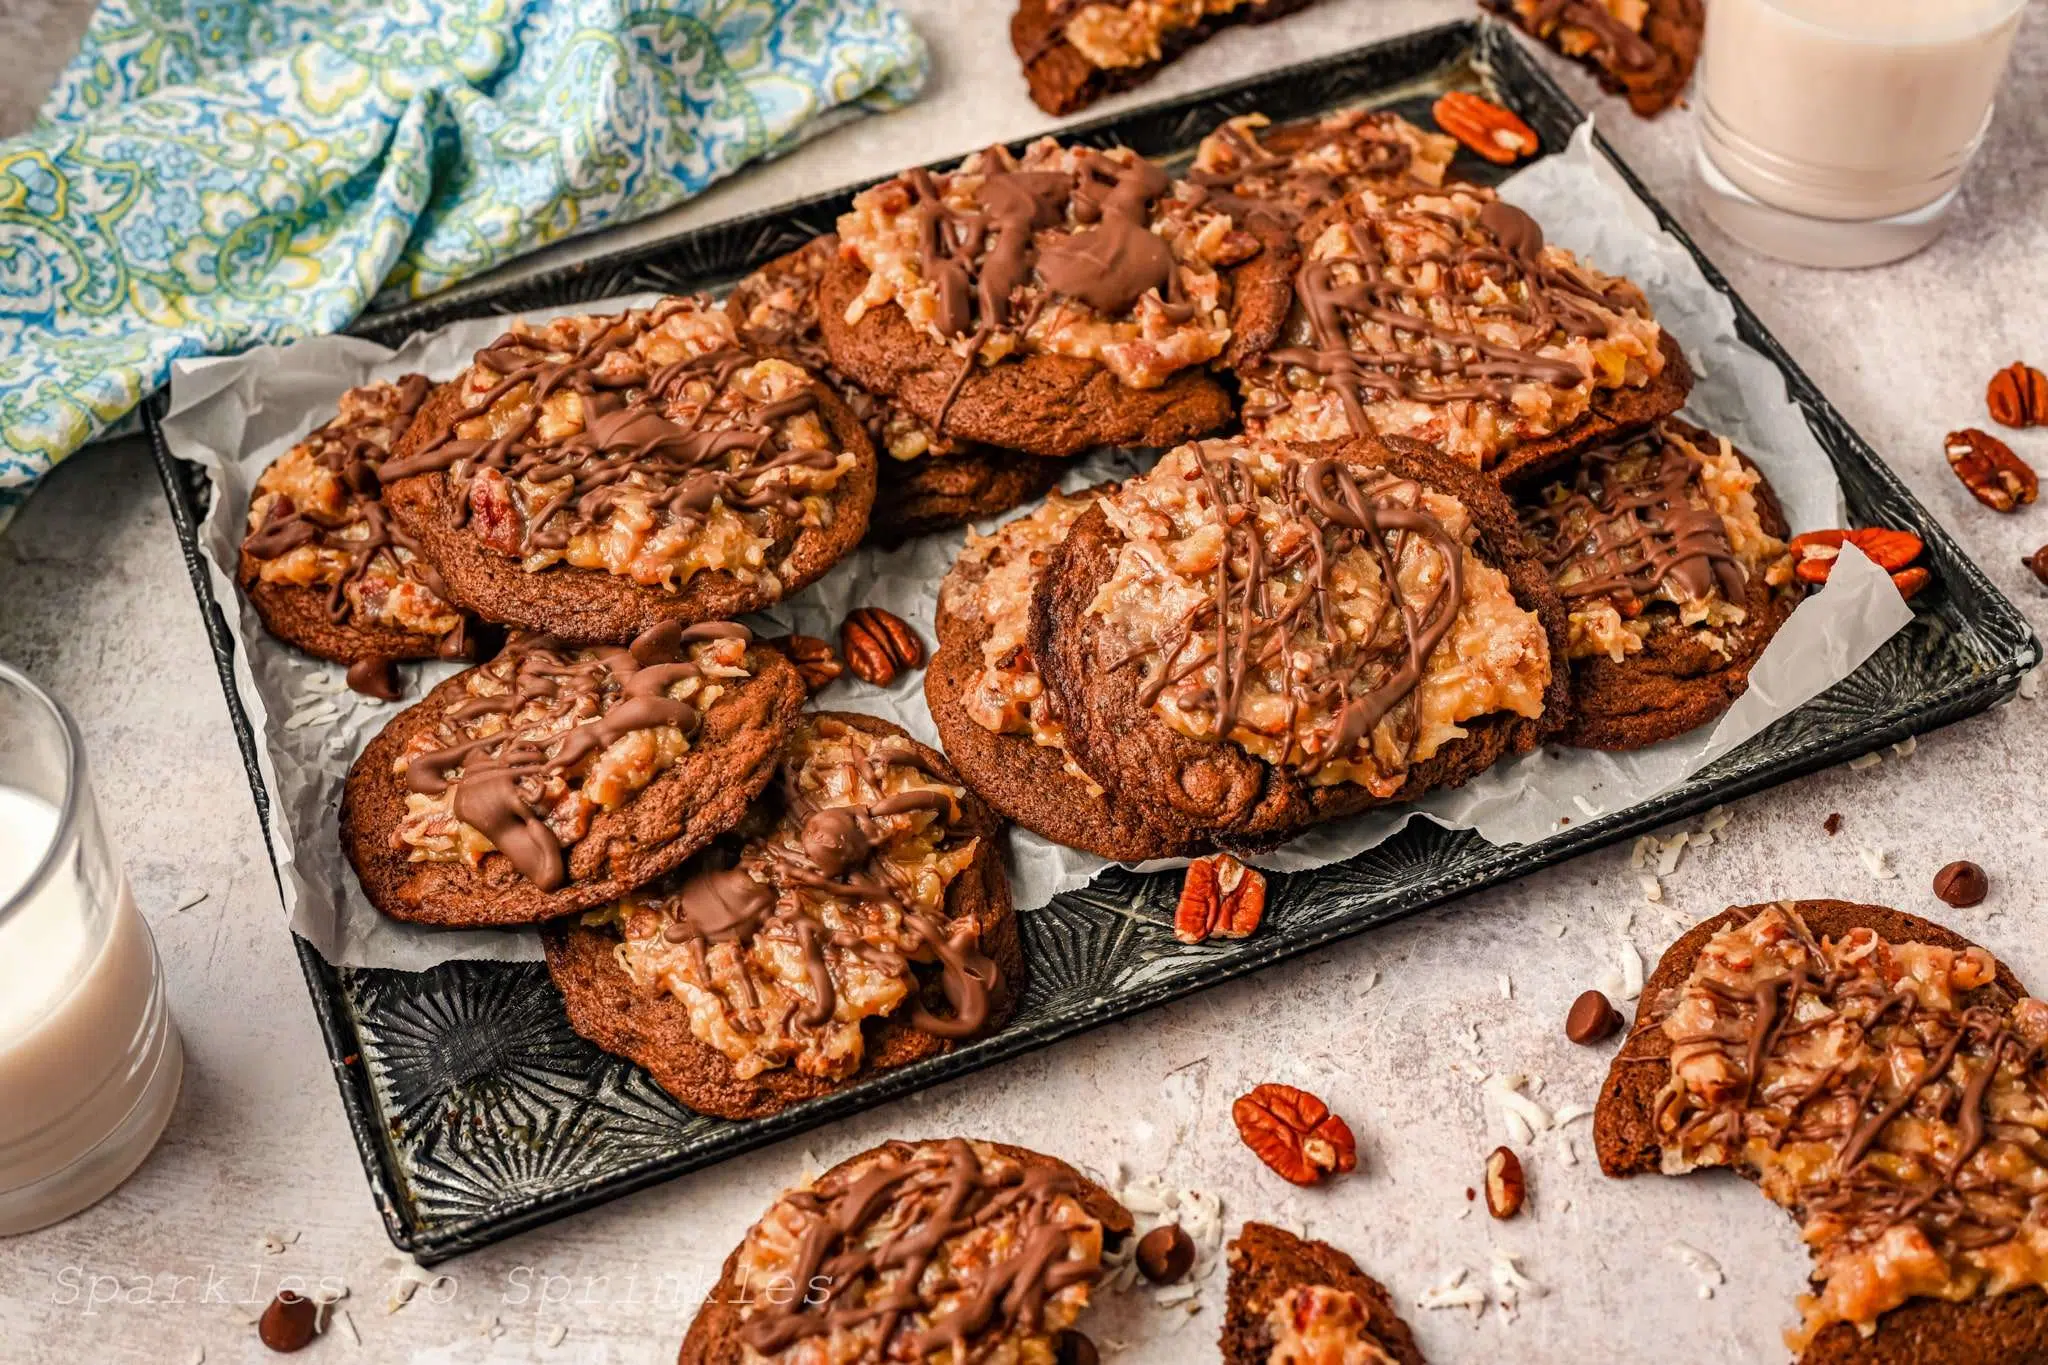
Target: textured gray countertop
(94,601)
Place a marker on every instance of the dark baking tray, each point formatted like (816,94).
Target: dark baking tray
(480,1114)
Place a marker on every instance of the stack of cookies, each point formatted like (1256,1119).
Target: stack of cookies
(1416,500)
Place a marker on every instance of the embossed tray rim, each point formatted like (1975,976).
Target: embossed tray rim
(1487,47)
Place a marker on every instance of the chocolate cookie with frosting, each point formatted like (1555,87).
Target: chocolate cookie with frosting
(1880,1078)
(925,482)
(554,778)
(994,713)
(1444,316)
(1644,49)
(1252,638)
(858,918)
(323,564)
(1294,1300)
(1076,51)
(1053,302)
(1294,170)
(593,476)
(980,1251)
(1668,547)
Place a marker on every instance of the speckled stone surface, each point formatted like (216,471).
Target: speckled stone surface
(94,601)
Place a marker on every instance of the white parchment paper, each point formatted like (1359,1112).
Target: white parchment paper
(235,415)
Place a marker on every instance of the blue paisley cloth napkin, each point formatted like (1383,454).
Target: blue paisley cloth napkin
(211,174)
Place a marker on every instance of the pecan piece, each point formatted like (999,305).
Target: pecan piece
(1994,475)
(1221,898)
(1295,1134)
(1488,130)
(1506,1185)
(2018,396)
(878,645)
(815,662)
(2037,564)
(1909,582)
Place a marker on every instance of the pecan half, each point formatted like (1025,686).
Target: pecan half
(1994,475)
(1295,1134)
(1490,131)
(815,662)
(1814,554)
(1220,898)
(2018,396)
(1506,1186)
(878,645)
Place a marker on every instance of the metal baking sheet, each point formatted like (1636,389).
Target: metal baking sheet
(479,1113)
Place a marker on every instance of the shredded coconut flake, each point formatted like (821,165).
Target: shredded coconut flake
(2030,684)
(1877,862)
(1639,854)
(1507,986)
(1700,1264)
(557,1334)
(1905,747)
(1862,761)
(1631,971)
(1716,820)
(1521,1116)
(1175,1293)
(1670,852)
(1567,1113)
(319,714)
(1367,982)
(1453,1292)
(1585,807)
(1510,1285)
(1653,890)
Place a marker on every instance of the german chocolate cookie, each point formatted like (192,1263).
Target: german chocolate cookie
(1291,171)
(1076,51)
(994,714)
(857,919)
(554,779)
(1880,1077)
(1218,639)
(1644,49)
(322,563)
(1443,316)
(1668,548)
(981,1251)
(1068,299)
(925,482)
(593,476)
(1294,1300)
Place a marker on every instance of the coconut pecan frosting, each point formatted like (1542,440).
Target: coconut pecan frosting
(953,1250)
(1444,316)
(839,892)
(1904,1123)
(1318,615)
(647,444)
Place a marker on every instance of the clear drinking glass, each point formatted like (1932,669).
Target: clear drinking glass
(1836,132)
(90,1061)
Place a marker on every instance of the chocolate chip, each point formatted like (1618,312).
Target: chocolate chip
(1166,1254)
(1592,1019)
(375,675)
(1833,824)
(1962,884)
(1074,1348)
(289,1324)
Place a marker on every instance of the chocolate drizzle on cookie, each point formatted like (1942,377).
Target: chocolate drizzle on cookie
(628,434)
(1501,252)
(1632,519)
(1624,48)
(875,1254)
(362,532)
(1258,180)
(1865,1104)
(838,853)
(586,701)
(1252,620)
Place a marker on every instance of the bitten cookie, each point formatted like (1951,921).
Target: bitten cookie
(1076,51)
(1066,299)
(1879,1076)
(322,563)
(995,716)
(1644,49)
(857,919)
(925,482)
(1294,1300)
(554,779)
(591,477)
(1444,316)
(981,1251)
(1668,548)
(1293,170)
(1250,639)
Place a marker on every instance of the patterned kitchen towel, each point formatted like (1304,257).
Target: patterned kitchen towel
(211,174)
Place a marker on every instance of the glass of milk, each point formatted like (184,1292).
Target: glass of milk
(1836,132)
(89,1059)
